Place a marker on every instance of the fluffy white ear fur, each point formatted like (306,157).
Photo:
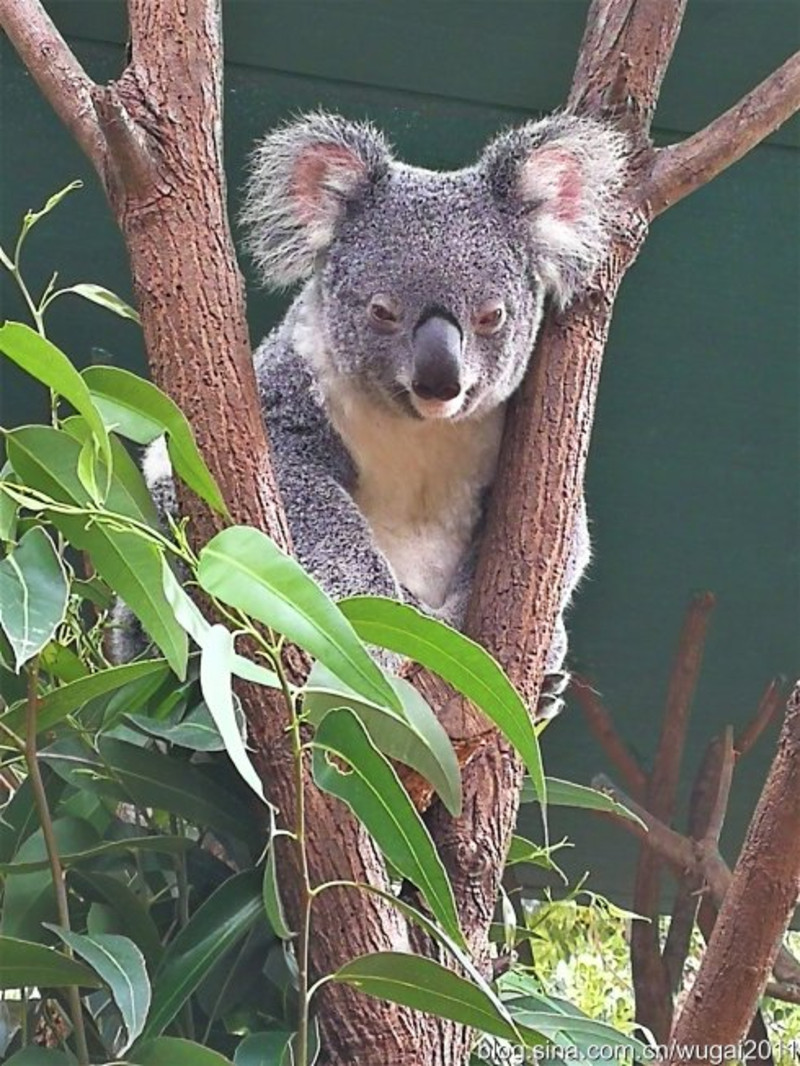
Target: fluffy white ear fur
(566,174)
(301,177)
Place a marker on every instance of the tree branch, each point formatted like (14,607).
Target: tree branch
(682,168)
(756,909)
(59,75)
(601,723)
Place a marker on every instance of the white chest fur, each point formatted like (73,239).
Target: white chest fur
(419,484)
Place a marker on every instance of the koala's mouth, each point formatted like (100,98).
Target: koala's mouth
(435,410)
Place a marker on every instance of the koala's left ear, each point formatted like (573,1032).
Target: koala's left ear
(561,177)
(302,176)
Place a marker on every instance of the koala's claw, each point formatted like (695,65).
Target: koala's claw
(551,697)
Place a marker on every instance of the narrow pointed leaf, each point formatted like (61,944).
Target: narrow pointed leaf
(244,568)
(32,217)
(24,964)
(133,407)
(156,843)
(96,294)
(417,982)
(569,794)
(460,661)
(42,360)
(370,787)
(47,459)
(34,591)
(55,705)
(264,1049)
(414,736)
(225,917)
(273,905)
(118,962)
(173,1051)
(216,682)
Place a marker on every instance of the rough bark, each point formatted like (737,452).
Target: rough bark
(755,912)
(154,137)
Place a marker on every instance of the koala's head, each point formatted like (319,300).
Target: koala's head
(429,287)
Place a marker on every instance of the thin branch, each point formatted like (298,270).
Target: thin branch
(601,724)
(682,168)
(59,75)
(770,704)
(131,162)
(719,807)
(778,990)
(756,909)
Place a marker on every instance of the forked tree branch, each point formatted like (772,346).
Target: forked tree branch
(684,167)
(63,81)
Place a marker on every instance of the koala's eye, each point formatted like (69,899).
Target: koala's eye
(384,313)
(491,318)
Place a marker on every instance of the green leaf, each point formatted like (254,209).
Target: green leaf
(62,663)
(34,592)
(39,1056)
(32,217)
(425,985)
(460,661)
(24,964)
(216,683)
(29,898)
(370,787)
(190,617)
(8,507)
(568,794)
(196,731)
(43,361)
(414,737)
(155,842)
(55,705)
(131,910)
(273,905)
(134,407)
(47,459)
(525,851)
(264,1049)
(172,1051)
(225,917)
(245,569)
(118,962)
(19,818)
(96,294)
(151,779)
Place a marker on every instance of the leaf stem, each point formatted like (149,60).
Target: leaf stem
(51,845)
(306,889)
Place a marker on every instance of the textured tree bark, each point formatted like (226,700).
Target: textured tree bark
(154,138)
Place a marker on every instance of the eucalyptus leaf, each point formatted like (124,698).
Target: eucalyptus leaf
(245,569)
(120,965)
(96,294)
(173,1051)
(220,922)
(24,964)
(460,661)
(34,591)
(47,459)
(134,407)
(43,361)
(370,787)
(414,736)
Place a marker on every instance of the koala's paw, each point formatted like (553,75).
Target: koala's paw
(551,697)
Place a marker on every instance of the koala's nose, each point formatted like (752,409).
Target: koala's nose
(437,359)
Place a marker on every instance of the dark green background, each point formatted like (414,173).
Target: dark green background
(693,478)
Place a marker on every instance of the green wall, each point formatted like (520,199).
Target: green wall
(693,478)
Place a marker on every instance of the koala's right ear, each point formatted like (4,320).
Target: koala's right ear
(302,176)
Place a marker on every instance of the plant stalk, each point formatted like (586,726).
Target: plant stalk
(51,845)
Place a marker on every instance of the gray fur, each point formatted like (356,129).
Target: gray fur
(385,487)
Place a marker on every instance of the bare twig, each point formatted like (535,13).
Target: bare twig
(719,807)
(682,168)
(57,72)
(778,990)
(601,724)
(770,704)
(756,909)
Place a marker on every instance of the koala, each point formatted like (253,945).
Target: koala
(384,388)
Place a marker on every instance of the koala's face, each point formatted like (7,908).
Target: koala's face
(439,315)
(431,286)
